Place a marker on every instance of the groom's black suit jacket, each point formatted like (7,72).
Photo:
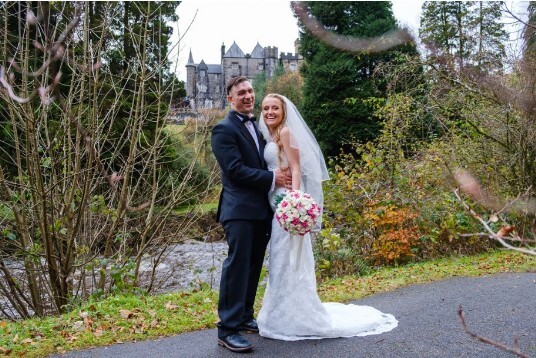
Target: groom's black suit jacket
(245,180)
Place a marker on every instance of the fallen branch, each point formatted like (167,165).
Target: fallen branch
(471,187)
(515,349)
(501,235)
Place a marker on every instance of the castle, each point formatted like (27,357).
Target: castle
(205,84)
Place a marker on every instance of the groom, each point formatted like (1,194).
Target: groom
(244,212)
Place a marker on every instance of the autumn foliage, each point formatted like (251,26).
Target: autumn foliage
(396,233)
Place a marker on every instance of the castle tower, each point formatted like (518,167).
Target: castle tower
(297,45)
(270,58)
(233,62)
(202,85)
(191,80)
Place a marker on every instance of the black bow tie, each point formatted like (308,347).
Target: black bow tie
(253,119)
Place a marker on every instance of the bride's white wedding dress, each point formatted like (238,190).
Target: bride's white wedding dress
(291,309)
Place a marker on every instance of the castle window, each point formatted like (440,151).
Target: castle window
(260,66)
(217,89)
(234,65)
(293,66)
(202,73)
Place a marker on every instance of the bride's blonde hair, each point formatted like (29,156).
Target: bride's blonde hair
(276,132)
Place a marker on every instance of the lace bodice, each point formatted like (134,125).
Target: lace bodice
(273,161)
(271,156)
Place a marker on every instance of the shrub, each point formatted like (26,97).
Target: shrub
(384,209)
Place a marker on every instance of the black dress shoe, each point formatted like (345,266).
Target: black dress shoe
(235,343)
(249,326)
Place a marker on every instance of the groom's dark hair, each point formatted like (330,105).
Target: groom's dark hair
(235,81)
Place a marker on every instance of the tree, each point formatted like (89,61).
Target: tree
(529,31)
(289,84)
(444,30)
(125,25)
(259,85)
(336,82)
(458,34)
(261,82)
(490,36)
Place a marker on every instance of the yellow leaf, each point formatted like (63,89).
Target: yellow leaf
(78,325)
(61,350)
(170,306)
(126,314)
(98,332)
(505,230)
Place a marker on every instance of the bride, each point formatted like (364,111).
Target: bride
(291,309)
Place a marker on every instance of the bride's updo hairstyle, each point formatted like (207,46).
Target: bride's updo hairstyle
(276,132)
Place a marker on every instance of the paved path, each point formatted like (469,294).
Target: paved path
(499,307)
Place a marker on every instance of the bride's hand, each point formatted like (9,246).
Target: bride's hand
(286,170)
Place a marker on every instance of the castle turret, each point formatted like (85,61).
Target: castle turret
(191,80)
(297,45)
(270,55)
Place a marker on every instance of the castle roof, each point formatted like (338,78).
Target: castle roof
(234,51)
(214,69)
(202,65)
(258,52)
(190,59)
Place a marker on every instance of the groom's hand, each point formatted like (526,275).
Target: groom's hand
(282,179)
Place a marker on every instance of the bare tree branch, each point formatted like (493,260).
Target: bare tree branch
(511,13)
(472,188)
(514,350)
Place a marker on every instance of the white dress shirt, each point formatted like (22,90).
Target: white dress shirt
(250,127)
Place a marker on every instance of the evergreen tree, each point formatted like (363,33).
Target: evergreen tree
(529,31)
(120,34)
(337,83)
(490,36)
(121,26)
(468,32)
(445,30)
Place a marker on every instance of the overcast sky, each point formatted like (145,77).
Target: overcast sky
(268,22)
(205,24)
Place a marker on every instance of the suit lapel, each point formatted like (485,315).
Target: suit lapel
(260,140)
(236,120)
(248,135)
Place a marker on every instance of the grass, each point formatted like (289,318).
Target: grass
(176,131)
(133,318)
(199,208)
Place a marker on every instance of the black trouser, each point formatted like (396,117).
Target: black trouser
(241,270)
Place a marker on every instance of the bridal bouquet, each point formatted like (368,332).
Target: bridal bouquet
(297,212)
